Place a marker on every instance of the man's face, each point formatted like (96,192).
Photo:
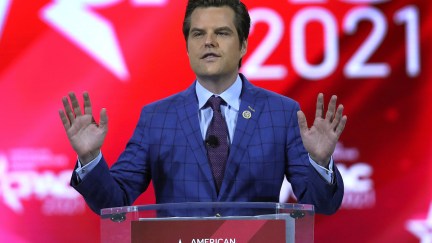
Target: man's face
(213,45)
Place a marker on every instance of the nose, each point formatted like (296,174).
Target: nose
(210,40)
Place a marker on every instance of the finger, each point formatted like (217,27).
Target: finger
(64,119)
(341,126)
(319,106)
(103,123)
(338,116)
(302,121)
(331,109)
(75,104)
(68,110)
(87,104)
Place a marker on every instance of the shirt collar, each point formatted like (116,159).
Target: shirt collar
(231,96)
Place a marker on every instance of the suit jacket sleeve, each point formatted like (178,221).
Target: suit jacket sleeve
(308,185)
(127,179)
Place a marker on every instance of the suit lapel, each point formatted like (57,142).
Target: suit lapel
(187,112)
(245,127)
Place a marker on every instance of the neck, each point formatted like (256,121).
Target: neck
(217,85)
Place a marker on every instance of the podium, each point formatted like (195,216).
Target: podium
(209,222)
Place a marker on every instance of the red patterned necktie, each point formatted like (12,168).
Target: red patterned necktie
(217,141)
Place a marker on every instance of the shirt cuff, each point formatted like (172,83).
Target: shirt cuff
(327,174)
(82,171)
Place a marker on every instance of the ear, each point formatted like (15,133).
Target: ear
(244,48)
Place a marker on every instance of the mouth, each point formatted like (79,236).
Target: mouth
(210,55)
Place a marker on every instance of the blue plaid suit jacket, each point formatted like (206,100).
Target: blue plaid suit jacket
(167,148)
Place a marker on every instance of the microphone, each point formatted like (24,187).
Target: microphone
(212,141)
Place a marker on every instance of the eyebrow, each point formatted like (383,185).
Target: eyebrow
(224,28)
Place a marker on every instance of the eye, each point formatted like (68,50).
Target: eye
(223,33)
(197,34)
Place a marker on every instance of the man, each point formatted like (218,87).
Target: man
(222,139)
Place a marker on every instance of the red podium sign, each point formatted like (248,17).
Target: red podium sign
(209,231)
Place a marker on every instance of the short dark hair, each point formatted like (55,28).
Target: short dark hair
(241,18)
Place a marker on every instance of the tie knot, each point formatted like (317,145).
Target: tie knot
(215,102)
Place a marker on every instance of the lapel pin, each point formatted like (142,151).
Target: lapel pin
(247,114)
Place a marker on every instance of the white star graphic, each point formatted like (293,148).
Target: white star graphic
(94,34)
(422,228)
(4,9)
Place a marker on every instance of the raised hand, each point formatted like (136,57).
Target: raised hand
(85,135)
(320,140)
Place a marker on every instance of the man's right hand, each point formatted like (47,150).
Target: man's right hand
(85,135)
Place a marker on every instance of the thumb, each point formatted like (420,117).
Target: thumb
(302,121)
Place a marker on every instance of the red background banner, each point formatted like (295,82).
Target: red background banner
(374,54)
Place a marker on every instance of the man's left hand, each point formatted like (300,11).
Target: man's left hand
(320,140)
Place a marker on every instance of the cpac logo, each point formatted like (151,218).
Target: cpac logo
(24,185)
(359,187)
(357,176)
(91,32)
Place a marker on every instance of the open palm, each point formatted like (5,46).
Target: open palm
(320,140)
(84,134)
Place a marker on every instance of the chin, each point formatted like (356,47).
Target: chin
(209,73)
